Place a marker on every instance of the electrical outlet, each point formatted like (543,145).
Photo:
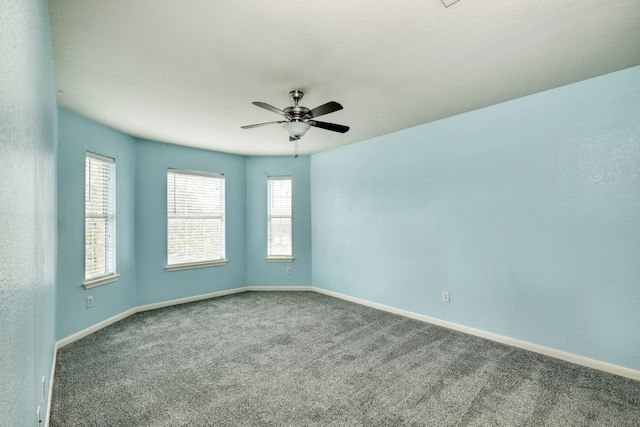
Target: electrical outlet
(89,301)
(289,270)
(445,296)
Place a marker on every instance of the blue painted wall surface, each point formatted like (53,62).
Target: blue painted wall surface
(76,136)
(528,212)
(155,284)
(259,271)
(141,243)
(28,210)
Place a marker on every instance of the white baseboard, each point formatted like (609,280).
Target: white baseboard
(52,374)
(163,304)
(94,328)
(279,288)
(154,306)
(557,354)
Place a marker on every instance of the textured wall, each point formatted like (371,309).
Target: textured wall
(141,168)
(528,212)
(155,284)
(259,271)
(76,136)
(27,209)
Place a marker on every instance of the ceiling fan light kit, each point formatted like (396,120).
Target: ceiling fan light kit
(299,119)
(296,129)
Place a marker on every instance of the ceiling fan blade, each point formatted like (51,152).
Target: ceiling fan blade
(261,124)
(270,108)
(329,126)
(327,108)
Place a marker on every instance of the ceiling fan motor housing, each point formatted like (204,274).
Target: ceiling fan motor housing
(297,113)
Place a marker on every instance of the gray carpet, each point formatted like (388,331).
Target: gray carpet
(305,359)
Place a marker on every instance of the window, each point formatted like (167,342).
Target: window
(279,219)
(195,219)
(100,220)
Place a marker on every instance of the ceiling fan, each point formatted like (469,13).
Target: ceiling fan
(298,119)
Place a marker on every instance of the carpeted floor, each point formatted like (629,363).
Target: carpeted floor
(305,359)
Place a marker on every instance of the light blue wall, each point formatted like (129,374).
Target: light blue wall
(28,210)
(155,284)
(259,271)
(141,168)
(76,136)
(528,212)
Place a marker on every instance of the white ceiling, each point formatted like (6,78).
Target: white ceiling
(186,72)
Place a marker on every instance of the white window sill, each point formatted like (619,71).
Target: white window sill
(99,281)
(280,259)
(192,265)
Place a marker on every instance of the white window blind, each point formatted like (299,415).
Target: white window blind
(279,217)
(195,218)
(100,217)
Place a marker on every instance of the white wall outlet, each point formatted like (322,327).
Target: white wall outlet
(445,296)
(89,301)
(289,270)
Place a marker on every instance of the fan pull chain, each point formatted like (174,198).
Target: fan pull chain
(296,154)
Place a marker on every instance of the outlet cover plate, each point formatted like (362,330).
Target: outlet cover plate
(445,296)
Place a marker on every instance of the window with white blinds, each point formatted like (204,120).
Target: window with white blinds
(195,219)
(100,219)
(279,217)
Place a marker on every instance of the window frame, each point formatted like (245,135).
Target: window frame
(176,266)
(286,257)
(109,215)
